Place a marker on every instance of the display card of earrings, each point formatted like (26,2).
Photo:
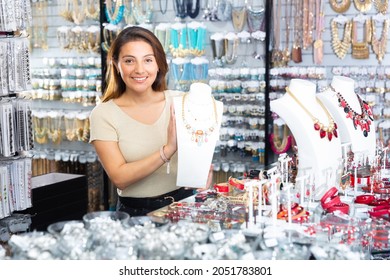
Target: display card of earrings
(16,140)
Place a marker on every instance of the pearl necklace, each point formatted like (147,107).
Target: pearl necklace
(330,130)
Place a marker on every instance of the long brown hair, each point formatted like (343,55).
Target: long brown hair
(115,85)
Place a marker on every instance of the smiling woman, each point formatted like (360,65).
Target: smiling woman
(133,129)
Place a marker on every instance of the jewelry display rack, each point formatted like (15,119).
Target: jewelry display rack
(16,140)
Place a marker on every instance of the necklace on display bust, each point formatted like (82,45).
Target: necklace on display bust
(330,130)
(363,5)
(363,120)
(199,135)
(340,6)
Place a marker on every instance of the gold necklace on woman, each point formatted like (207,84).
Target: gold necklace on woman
(341,47)
(330,130)
(379,45)
(363,5)
(199,135)
(381,6)
(340,6)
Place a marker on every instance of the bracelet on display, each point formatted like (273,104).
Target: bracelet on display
(379,211)
(236,183)
(365,199)
(222,187)
(330,198)
(342,207)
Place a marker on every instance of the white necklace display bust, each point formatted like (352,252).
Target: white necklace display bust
(318,154)
(198,120)
(356,126)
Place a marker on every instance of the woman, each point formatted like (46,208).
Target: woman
(133,129)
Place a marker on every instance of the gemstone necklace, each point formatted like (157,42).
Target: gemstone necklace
(363,120)
(199,135)
(330,130)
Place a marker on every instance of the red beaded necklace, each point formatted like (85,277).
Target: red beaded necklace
(362,120)
(330,130)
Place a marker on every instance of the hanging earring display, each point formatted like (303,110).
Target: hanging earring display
(363,120)
(381,6)
(341,47)
(340,6)
(363,5)
(199,135)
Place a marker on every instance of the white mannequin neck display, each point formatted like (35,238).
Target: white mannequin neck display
(319,154)
(198,120)
(349,133)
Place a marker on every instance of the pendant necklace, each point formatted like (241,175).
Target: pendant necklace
(330,130)
(363,120)
(199,135)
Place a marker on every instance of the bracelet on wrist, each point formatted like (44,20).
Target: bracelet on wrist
(164,158)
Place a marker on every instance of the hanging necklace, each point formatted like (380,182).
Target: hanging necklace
(114,15)
(195,13)
(141,15)
(363,5)
(381,6)
(330,130)
(341,47)
(163,10)
(277,146)
(180,8)
(239,16)
(256,19)
(199,136)
(91,10)
(363,120)
(340,6)
(379,45)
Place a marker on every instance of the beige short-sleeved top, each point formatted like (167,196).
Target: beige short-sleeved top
(136,140)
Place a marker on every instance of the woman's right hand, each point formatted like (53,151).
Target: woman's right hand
(171,146)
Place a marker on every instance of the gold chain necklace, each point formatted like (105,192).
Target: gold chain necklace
(379,45)
(199,136)
(239,16)
(363,5)
(340,6)
(330,130)
(341,47)
(381,6)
